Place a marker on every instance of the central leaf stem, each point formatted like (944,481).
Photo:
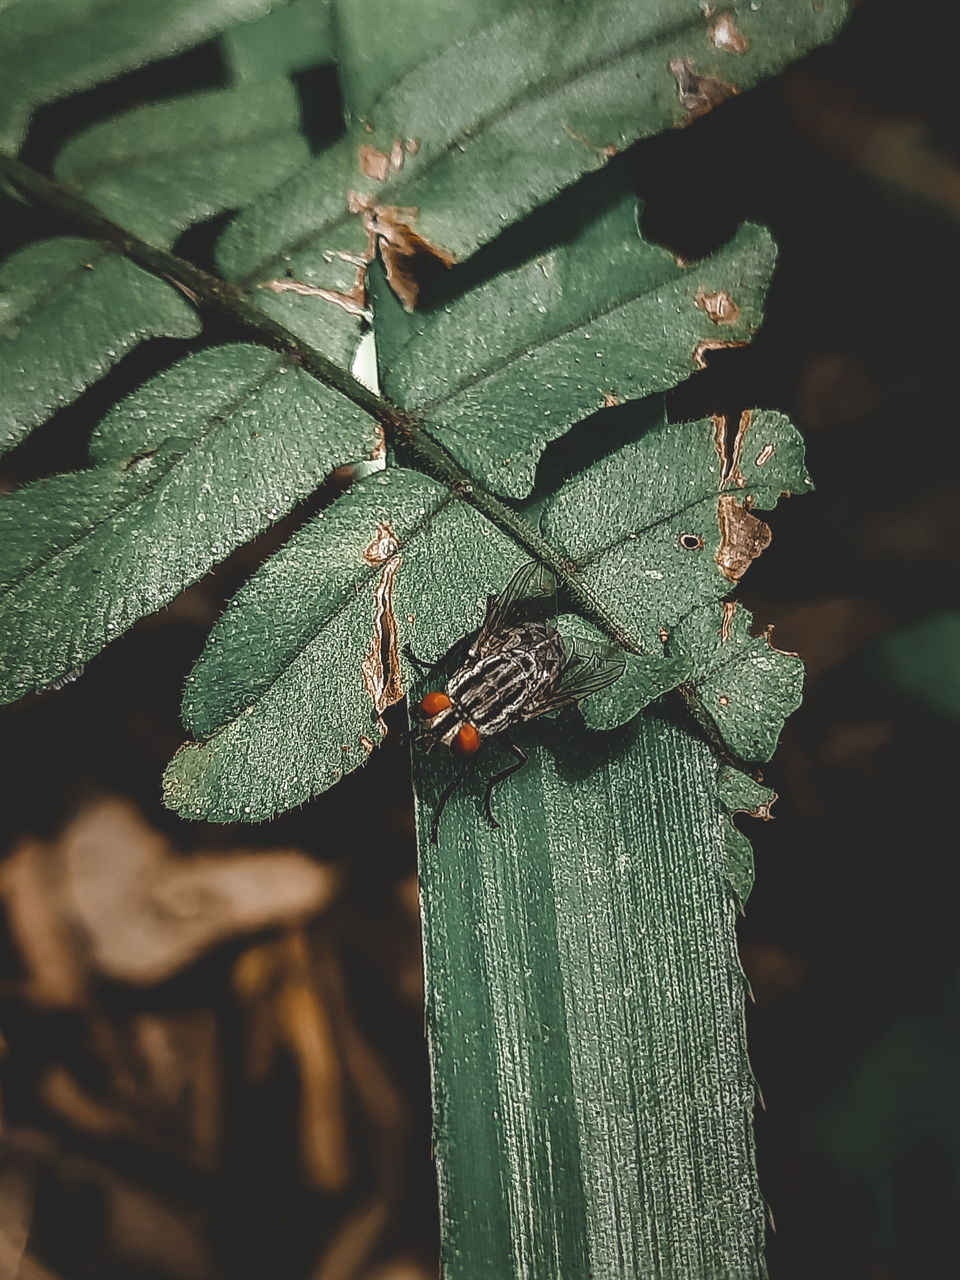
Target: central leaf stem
(213,294)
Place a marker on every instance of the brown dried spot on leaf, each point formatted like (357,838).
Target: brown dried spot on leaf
(724,35)
(354,302)
(731,453)
(381,667)
(404,253)
(610,400)
(743,537)
(380,164)
(607,150)
(729,609)
(719,306)
(699,94)
(711,344)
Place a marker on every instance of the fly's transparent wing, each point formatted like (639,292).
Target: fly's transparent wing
(589,667)
(534,586)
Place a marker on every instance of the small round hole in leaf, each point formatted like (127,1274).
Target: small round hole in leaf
(691,541)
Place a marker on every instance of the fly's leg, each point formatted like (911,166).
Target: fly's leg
(423,668)
(502,777)
(448,791)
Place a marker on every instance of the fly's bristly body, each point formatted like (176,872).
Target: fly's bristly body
(515,670)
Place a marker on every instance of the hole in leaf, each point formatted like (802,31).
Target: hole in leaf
(691,541)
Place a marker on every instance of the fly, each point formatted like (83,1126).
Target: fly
(514,670)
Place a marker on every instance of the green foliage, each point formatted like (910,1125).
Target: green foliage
(922,662)
(233,435)
(161,168)
(513,363)
(584,996)
(69,310)
(49,48)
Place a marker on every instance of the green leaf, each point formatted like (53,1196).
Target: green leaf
(294,38)
(747,687)
(739,793)
(159,168)
(192,465)
(69,310)
(584,997)
(508,366)
(287,695)
(267,250)
(680,532)
(49,48)
(379,44)
(538,99)
(671,526)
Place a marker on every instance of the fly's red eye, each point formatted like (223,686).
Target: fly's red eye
(434,703)
(466,742)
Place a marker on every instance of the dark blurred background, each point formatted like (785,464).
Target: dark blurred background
(212,1058)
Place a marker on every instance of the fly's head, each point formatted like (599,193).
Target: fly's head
(445,726)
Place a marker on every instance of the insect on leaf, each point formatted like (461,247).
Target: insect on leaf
(288,694)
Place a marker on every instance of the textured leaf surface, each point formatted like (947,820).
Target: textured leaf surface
(286,694)
(292,38)
(49,48)
(508,366)
(190,466)
(160,168)
(672,529)
(539,98)
(747,687)
(585,1013)
(69,310)
(274,242)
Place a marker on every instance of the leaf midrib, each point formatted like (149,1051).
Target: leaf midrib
(398,185)
(44,296)
(759,494)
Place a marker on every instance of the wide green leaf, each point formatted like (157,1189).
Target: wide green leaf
(192,465)
(591,1086)
(672,530)
(745,685)
(378,44)
(672,524)
(288,694)
(602,318)
(157,169)
(49,48)
(69,310)
(538,99)
(293,38)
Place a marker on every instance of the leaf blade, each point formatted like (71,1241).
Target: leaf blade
(54,47)
(157,169)
(69,310)
(190,466)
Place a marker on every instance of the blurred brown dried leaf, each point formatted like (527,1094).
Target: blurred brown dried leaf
(113,896)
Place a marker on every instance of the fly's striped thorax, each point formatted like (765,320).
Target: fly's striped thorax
(493,691)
